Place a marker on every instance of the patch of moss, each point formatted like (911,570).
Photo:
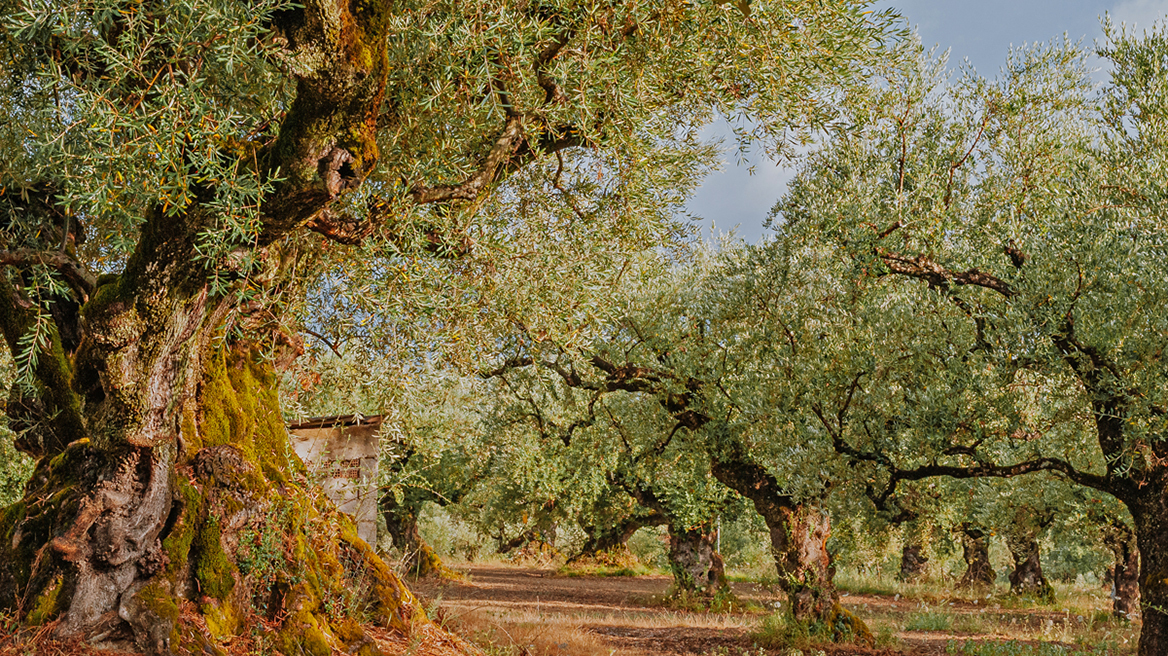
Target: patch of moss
(220,619)
(177,544)
(241,407)
(159,602)
(45,606)
(303,634)
(213,569)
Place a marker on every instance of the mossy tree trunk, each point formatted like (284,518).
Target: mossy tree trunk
(167,509)
(975,546)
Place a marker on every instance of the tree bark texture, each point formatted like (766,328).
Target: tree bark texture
(975,545)
(695,561)
(1027,577)
(799,534)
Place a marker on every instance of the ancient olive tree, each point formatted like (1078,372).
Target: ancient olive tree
(175,177)
(999,252)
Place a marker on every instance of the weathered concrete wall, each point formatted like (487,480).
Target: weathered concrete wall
(341,453)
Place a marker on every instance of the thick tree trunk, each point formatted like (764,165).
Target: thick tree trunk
(418,557)
(913,562)
(1027,577)
(695,561)
(975,545)
(798,535)
(115,542)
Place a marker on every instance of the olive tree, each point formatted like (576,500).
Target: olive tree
(177,177)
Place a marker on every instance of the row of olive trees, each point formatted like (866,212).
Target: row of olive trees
(965,283)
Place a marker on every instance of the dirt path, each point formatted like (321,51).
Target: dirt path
(548,614)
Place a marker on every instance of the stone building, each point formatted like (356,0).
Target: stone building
(341,454)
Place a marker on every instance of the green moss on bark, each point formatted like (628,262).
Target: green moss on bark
(213,569)
(46,606)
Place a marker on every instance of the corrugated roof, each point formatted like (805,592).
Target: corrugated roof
(336,421)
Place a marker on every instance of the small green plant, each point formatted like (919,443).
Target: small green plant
(1014,648)
(929,620)
(781,630)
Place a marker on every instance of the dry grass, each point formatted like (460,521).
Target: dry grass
(507,629)
(506,633)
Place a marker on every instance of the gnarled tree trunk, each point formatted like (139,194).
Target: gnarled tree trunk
(799,535)
(1026,577)
(694,559)
(401,520)
(975,546)
(913,562)
(168,510)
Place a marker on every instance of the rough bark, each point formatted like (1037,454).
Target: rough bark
(975,545)
(125,546)
(1125,573)
(798,535)
(1027,577)
(695,561)
(913,562)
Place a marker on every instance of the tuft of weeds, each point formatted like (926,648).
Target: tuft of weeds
(781,630)
(1015,648)
(722,601)
(929,620)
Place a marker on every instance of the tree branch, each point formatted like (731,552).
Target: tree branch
(938,276)
(80,279)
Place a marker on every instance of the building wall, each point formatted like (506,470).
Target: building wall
(343,460)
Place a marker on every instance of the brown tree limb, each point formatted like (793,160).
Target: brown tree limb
(924,268)
(81,280)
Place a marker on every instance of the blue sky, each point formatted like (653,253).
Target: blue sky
(981,31)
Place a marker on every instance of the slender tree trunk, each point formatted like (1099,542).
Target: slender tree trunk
(1027,577)
(975,544)
(1125,573)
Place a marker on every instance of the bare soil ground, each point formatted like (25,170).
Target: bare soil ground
(514,610)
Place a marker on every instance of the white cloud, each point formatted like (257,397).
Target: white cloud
(1139,14)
